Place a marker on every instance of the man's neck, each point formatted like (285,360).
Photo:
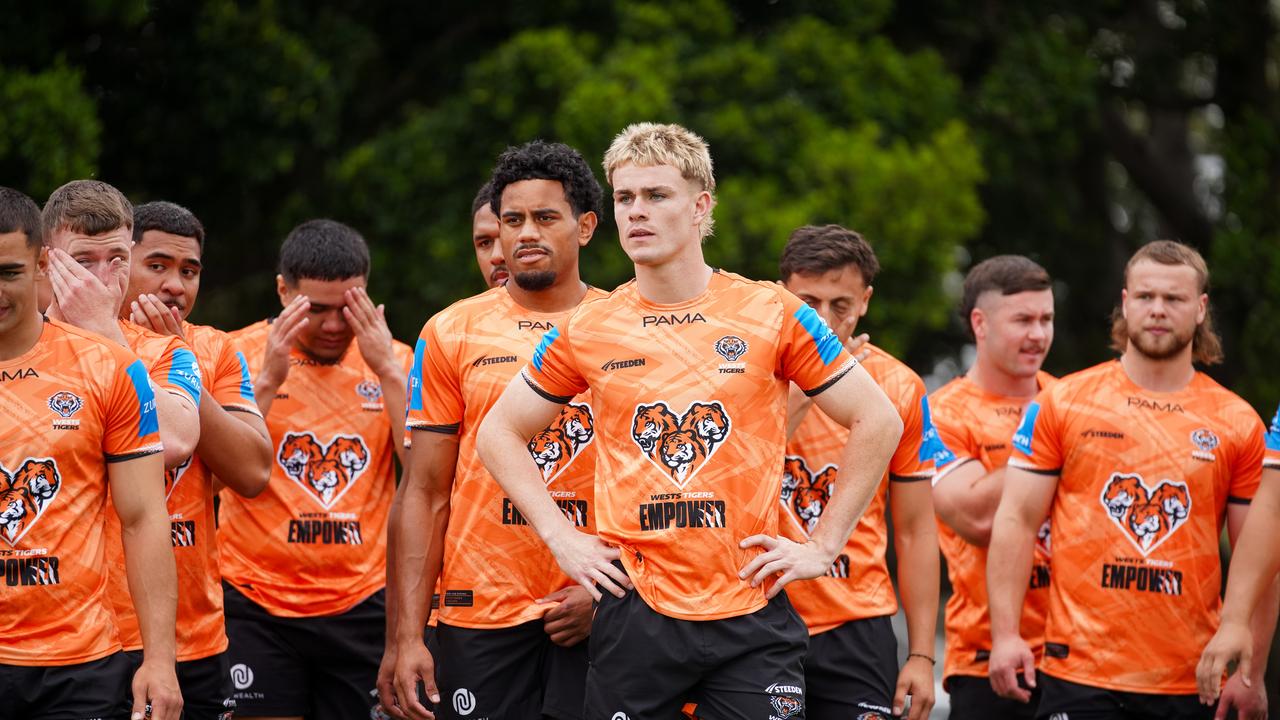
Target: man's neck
(19,340)
(681,279)
(1168,375)
(563,295)
(992,379)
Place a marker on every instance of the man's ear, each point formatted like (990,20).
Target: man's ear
(285,292)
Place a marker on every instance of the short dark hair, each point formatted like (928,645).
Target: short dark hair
(91,207)
(539,160)
(1010,274)
(484,196)
(323,250)
(169,218)
(19,213)
(819,249)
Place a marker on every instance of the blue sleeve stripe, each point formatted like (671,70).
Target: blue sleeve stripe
(246,381)
(148,420)
(415,376)
(1273,434)
(824,339)
(1025,436)
(931,445)
(540,353)
(184,371)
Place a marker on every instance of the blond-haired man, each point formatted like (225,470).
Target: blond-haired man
(688,369)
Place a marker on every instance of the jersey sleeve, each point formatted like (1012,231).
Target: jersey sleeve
(231,385)
(1246,468)
(1272,457)
(553,373)
(1037,443)
(178,371)
(947,439)
(911,461)
(435,399)
(810,354)
(131,427)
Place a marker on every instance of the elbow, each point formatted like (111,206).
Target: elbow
(177,451)
(252,477)
(978,532)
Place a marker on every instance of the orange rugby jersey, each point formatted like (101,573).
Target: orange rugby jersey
(72,404)
(1145,479)
(224,372)
(1272,459)
(690,410)
(858,584)
(495,565)
(975,425)
(315,541)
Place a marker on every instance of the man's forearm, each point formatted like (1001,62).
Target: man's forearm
(862,466)
(393,402)
(1008,572)
(414,564)
(507,458)
(235,446)
(918,572)
(153,582)
(1263,627)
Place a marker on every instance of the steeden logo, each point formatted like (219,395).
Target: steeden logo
(622,364)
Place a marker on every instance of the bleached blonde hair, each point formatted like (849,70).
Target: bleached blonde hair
(648,144)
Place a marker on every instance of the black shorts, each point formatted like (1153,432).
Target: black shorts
(647,665)
(973,699)
(205,686)
(1064,699)
(514,673)
(95,689)
(321,667)
(851,670)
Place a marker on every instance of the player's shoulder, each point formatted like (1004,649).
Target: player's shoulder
(1226,403)
(206,341)
(251,334)
(89,348)
(734,284)
(1092,382)
(890,373)
(151,345)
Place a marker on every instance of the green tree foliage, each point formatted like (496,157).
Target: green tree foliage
(945,132)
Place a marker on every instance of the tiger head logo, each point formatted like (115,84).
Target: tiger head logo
(679,446)
(785,706)
(812,498)
(25,495)
(794,472)
(65,403)
(326,471)
(731,348)
(548,448)
(369,390)
(576,423)
(650,423)
(1147,517)
(555,448)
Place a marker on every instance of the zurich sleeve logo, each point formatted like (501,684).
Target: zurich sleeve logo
(148,420)
(931,445)
(1022,439)
(246,382)
(824,338)
(415,376)
(1273,434)
(184,372)
(540,354)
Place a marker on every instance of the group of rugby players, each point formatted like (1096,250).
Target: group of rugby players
(604,494)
